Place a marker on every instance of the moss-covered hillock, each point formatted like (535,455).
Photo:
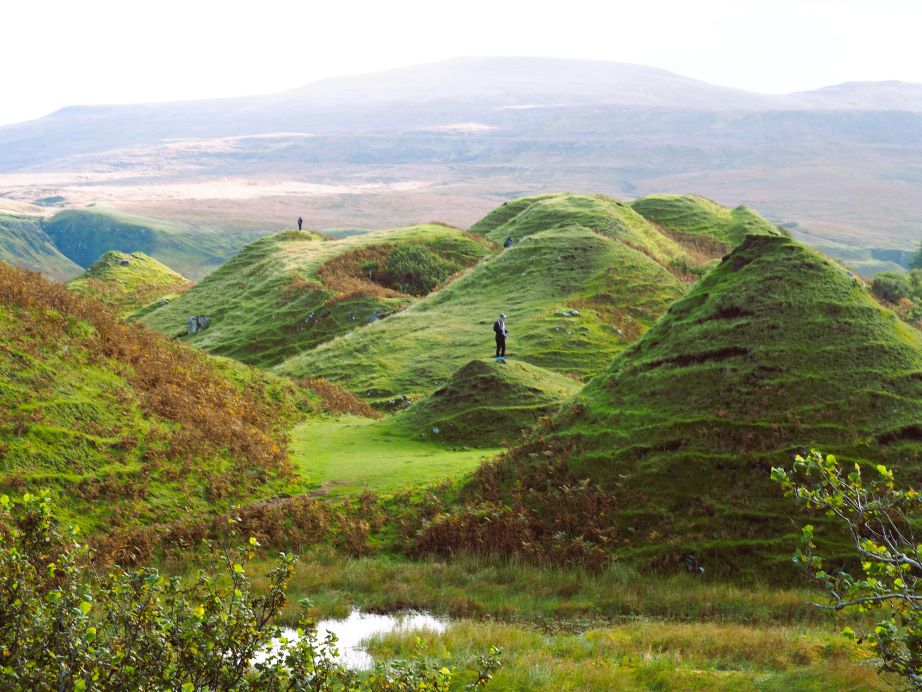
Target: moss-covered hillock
(127,282)
(776,349)
(485,404)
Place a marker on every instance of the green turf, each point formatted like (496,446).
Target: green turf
(776,349)
(268,303)
(698,216)
(84,235)
(346,455)
(127,283)
(575,295)
(24,244)
(487,404)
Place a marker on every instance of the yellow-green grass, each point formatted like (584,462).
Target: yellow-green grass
(337,456)
(575,295)
(269,302)
(697,216)
(487,404)
(646,655)
(777,349)
(126,282)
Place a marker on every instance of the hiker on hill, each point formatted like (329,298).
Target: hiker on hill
(300,221)
(508,242)
(499,328)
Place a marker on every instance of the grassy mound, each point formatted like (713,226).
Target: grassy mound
(776,349)
(575,296)
(289,292)
(24,244)
(690,217)
(485,403)
(84,235)
(125,426)
(126,282)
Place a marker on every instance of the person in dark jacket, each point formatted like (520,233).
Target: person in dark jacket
(300,221)
(508,242)
(499,328)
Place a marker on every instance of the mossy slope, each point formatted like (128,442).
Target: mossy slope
(125,426)
(776,349)
(691,215)
(585,277)
(485,403)
(24,244)
(127,282)
(271,301)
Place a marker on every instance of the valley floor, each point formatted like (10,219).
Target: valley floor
(338,456)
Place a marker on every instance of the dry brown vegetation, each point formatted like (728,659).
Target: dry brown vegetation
(335,400)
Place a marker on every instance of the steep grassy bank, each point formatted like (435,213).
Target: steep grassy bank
(123,425)
(287,293)
(24,244)
(84,235)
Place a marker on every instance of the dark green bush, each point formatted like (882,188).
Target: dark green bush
(891,286)
(416,269)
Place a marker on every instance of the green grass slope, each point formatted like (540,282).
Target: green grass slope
(486,404)
(776,349)
(84,235)
(24,244)
(123,425)
(691,215)
(575,295)
(126,282)
(277,297)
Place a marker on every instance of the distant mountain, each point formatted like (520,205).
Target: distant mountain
(840,164)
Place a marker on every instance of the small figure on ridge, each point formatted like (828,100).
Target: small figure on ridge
(300,221)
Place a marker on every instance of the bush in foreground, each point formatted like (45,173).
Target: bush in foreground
(64,626)
(880,520)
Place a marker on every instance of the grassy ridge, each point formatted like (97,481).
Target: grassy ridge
(276,299)
(123,425)
(575,295)
(23,243)
(775,349)
(85,235)
(127,283)
(697,216)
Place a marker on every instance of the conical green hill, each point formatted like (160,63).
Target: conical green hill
(486,403)
(127,282)
(776,349)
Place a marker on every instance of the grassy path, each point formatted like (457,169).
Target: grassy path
(349,454)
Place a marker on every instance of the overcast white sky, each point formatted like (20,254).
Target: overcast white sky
(55,53)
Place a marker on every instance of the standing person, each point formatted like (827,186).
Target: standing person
(300,221)
(499,328)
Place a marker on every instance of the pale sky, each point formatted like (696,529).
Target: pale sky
(56,53)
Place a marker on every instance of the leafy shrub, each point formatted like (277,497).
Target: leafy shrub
(891,286)
(881,522)
(66,627)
